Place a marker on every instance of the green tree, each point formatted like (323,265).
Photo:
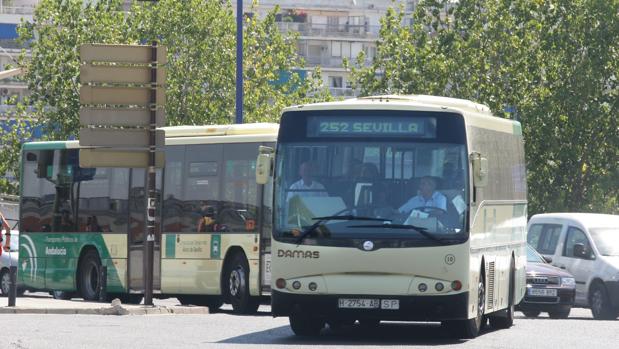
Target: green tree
(200,35)
(201,40)
(554,62)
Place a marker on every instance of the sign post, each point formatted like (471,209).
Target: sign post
(122,97)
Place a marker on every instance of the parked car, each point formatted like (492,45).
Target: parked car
(549,289)
(6,260)
(587,246)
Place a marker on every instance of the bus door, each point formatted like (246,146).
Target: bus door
(265,209)
(137,233)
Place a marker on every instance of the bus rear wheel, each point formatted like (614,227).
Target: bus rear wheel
(236,285)
(89,274)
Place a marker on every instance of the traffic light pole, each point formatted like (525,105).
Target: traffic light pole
(151,199)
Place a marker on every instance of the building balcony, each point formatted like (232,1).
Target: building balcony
(24,10)
(328,30)
(345,92)
(331,62)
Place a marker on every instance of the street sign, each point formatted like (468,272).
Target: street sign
(107,157)
(119,138)
(122,97)
(119,116)
(119,95)
(121,53)
(119,74)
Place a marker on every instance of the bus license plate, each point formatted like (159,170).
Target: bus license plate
(542,292)
(390,304)
(358,303)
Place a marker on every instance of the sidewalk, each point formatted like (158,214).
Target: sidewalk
(38,303)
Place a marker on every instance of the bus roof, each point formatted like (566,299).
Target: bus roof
(475,114)
(237,133)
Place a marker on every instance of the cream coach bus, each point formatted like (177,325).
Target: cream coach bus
(214,245)
(397,208)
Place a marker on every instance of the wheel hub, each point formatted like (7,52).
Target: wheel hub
(5,283)
(236,281)
(597,301)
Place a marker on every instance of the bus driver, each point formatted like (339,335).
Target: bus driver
(306,186)
(427,197)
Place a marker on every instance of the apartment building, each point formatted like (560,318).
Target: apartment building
(11,14)
(331,31)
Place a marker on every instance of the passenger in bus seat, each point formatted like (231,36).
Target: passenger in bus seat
(427,196)
(207,223)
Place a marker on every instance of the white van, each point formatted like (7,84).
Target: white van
(586,245)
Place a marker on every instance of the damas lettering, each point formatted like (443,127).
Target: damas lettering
(298,254)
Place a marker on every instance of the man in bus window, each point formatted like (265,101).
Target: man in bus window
(426,197)
(306,186)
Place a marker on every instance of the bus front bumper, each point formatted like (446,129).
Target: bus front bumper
(411,308)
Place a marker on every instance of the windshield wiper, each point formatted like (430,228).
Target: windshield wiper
(321,220)
(421,230)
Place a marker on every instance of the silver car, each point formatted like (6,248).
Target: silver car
(6,260)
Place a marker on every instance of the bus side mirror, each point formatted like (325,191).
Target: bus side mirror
(264,164)
(480,170)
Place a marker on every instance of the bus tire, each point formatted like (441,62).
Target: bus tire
(89,274)
(506,318)
(236,285)
(305,325)
(470,328)
(5,282)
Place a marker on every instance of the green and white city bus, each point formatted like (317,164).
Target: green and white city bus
(214,245)
(397,208)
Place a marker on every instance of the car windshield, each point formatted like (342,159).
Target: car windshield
(533,256)
(403,186)
(606,240)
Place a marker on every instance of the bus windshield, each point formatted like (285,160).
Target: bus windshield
(372,177)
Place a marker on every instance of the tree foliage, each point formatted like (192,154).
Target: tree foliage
(201,40)
(553,64)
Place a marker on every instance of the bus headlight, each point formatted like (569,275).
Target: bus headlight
(568,282)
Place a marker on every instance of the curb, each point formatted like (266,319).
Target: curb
(106,311)
(115,309)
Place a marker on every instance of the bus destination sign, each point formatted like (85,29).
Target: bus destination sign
(418,127)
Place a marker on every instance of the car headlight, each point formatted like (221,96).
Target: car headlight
(568,282)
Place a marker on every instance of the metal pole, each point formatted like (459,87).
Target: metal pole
(149,244)
(239,61)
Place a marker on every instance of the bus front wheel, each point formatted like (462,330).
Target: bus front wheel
(236,285)
(470,328)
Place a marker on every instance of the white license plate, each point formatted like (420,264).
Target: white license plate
(390,304)
(358,303)
(542,292)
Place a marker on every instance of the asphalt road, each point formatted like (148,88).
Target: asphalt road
(224,330)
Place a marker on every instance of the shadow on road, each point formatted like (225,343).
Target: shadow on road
(386,334)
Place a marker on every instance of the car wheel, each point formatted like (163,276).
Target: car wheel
(531,313)
(236,286)
(600,304)
(305,325)
(89,275)
(561,313)
(5,282)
